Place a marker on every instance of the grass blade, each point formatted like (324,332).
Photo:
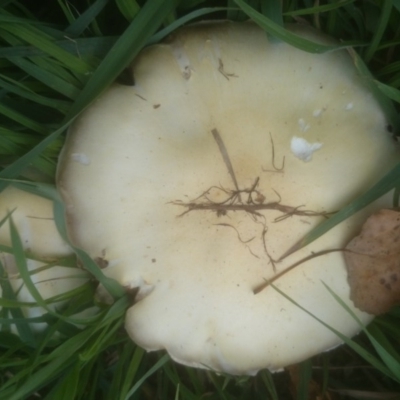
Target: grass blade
(164,359)
(147,21)
(130,372)
(86,18)
(281,33)
(386,104)
(24,92)
(50,192)
(15,169)
(47,78)
(379,31)
(389,91)
(128,8)
(390,181)
(38,39)
(269,383)
(23,328)
(21,263)
(319,9)
(356,347)
(181,21)
(391,363)
(22,119)
(273,10)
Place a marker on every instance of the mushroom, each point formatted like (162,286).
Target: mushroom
(192,184)
(33,218)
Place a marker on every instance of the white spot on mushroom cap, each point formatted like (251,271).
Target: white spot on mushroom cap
(303,126)
(317,113)
(81,158)
(182,60)
(303,149)
(349,106)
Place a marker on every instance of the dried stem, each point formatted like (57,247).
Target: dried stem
(225,156)
(275,168)
(254,204)
(268,282)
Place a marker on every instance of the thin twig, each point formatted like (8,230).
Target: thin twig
(225,156)
(268,282)
(275,168)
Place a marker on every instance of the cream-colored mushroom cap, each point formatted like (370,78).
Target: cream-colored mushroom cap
(194,182)
(33,218)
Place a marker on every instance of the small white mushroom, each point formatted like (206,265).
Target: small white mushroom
(195,201)
(33,218)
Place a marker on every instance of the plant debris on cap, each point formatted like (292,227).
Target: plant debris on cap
(373,263)
(193,183)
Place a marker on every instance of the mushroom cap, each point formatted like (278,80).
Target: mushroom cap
(193,183)
(33,218)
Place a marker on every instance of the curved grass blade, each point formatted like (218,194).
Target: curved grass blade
(181,21)
(51,193)
(45,368)
(128,8)
(380,29)
(128,45)
(381,97)
(381,338)
(279,32)
(53,66)
(40,40)
(390,181)
(319,9)
(81,47)
(17,317)
(305,374)
(127,369)
(21,263)
(147,21)
(390,361)
(389,91)
(371,359)
(15,143)
(8,18)
(86,18)
(46,77)
(164,359)
(269,383)
(111,285)
(20,90)
(68,384)
(53,368)
(171,374)
(272,9)
(103,337)
(6,302)
(22,119)
(27,159)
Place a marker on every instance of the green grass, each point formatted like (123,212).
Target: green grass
(56,57)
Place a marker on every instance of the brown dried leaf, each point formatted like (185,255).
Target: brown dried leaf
(373,263)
